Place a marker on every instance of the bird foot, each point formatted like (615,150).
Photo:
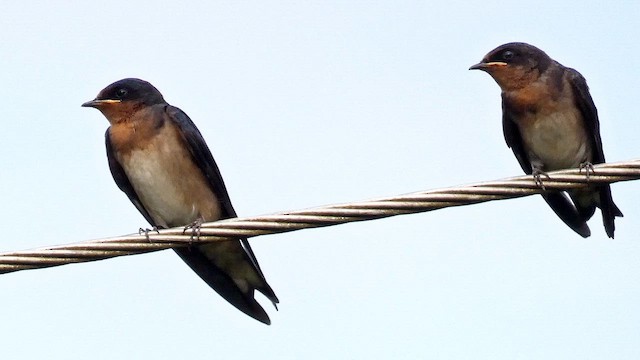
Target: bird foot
(537,176)
(195,227)
(146,231)
(588,168)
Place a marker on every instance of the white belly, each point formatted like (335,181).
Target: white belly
(163,198)
(169,185)
(558,140)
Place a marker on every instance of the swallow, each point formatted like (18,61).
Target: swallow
(550,122)
(159,159)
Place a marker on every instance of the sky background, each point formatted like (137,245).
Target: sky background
(305,104)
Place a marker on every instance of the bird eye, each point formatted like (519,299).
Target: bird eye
(120,93)
(507,55)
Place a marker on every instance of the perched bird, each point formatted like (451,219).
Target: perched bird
(550,122)
(159,159)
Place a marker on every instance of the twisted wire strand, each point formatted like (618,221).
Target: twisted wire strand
(421,201)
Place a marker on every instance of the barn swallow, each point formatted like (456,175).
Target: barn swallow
(159,159)
(551,123)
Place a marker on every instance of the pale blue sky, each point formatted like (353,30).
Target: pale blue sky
(305,104)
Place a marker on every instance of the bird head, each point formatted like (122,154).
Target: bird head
(514,65)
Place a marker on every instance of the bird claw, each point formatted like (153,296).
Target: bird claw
(588,167)
(537,176)
(196,228)
(146,231)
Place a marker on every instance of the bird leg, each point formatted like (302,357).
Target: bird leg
(537,176)
(588,167)
(195,227)
(146,232)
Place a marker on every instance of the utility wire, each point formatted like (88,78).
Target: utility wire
(421,201)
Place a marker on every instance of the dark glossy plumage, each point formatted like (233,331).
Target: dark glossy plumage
(127,101)
(537,89)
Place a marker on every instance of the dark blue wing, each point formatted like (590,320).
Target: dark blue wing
(584,102)
(203,158)
(558,201)
(587,108)
(514,140)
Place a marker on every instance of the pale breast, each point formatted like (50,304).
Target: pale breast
(170,186)
(556,137)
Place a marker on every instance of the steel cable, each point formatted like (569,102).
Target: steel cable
(421,201)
